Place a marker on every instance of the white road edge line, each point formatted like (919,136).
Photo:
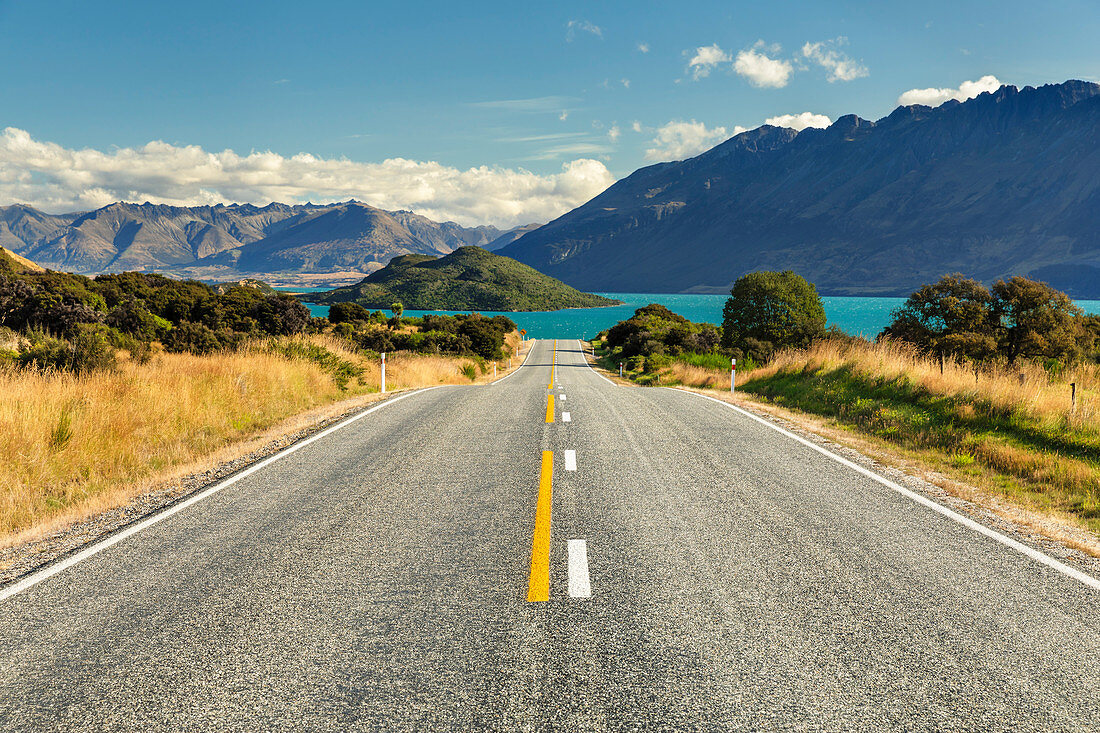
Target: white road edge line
(562,397)
(529,352)
(579,587)
(570,460)
(566,417)
(1020,547)
(48,572)
(585,360)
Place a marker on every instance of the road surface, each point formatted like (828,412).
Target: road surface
(701,571)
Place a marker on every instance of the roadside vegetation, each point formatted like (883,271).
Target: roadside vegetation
(997,388)
(113,385)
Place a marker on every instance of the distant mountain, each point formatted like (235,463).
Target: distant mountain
(1007,183)
(230,242)
(510,236)
(470,278)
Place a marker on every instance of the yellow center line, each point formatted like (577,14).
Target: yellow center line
(549,408)
(538,589)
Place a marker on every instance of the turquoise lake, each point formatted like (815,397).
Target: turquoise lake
(857,316)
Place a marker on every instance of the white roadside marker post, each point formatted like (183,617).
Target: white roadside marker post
(494,371)
(620,370)
(383,372)
(733,373)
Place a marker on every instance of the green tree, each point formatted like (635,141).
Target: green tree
(1035,320)
(771,310)
(397,309)
(953,316)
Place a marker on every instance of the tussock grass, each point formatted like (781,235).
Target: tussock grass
(1011,430)
(72,445)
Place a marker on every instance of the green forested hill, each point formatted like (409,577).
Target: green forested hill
(469,278)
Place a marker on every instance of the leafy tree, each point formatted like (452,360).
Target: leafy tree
(771,310)
(397,309)
(1035,320)
(952,316)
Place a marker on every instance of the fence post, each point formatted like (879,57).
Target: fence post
(383,372)
(733,374)
(1072,397)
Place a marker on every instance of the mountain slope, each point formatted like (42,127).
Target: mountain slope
(1005,183)
(470,278)
(229,241)
(13,263)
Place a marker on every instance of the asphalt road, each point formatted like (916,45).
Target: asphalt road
(703,572)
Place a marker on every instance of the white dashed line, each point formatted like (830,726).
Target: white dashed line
(562,397)
(570,460)
(565,417)
(579,587)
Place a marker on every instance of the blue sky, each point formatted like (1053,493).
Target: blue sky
(523,91)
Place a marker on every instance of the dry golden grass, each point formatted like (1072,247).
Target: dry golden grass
(1026,387)
(74,445)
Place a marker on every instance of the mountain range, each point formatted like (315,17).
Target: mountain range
(1006,183)
(329,242)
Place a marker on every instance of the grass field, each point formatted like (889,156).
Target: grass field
(74,445)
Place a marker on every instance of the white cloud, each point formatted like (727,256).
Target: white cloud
(760,69)
(625,83)
(564,115)
(800,121)
(614,133)
(841,66)
(643,47)
(58,179)
(679,140)
(934,97)
(532,104)
(636,126)
(581,25)
(705,59)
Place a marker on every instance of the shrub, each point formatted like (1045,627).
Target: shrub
(196,338)
(89,350)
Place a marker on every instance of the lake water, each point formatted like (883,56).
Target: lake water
(857,316)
